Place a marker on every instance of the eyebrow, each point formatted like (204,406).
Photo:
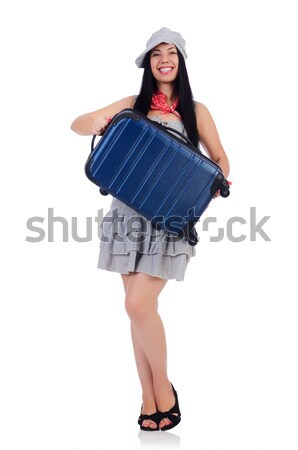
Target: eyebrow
(157,50)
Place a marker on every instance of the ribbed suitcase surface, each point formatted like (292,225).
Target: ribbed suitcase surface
(153,171)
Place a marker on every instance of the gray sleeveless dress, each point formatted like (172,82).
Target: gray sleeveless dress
(129,243)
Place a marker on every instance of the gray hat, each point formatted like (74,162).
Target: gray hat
(163,35)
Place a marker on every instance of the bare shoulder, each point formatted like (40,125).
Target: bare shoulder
(205,122)
(199,106)
(202,113)
(113,108)
(126,102)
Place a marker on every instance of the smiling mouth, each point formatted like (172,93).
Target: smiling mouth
(166,70)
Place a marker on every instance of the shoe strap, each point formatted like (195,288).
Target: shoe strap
(166,414)
(154,417)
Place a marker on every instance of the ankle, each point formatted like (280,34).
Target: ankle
(149,408)
(148,400)
(162,384)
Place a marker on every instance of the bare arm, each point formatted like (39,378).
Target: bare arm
(94,122)
(210,139)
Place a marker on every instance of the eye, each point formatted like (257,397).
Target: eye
(173,52)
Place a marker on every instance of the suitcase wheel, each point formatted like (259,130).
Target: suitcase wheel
(192,237)
(103,191)
(225,189)
(156,225)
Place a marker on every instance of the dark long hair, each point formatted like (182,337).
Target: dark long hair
(182,89)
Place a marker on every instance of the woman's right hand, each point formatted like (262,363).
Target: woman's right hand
(96,122)
(99,125)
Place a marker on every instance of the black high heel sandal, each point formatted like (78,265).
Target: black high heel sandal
(155,417)
(169,414)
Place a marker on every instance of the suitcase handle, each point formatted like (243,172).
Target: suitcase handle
(92,142)
(101,190)
(182,136)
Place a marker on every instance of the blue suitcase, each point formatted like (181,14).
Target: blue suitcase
(160,175)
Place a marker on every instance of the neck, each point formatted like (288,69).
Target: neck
(168,90)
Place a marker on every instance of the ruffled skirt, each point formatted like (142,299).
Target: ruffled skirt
(129,243)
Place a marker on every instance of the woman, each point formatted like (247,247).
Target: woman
(147,258)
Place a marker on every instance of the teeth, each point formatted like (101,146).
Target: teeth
(166,69)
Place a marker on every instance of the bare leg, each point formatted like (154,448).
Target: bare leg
(144,372)
(149,339)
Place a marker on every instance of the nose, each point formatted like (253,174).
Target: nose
(164,58)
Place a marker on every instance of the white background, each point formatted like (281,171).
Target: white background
(68,377)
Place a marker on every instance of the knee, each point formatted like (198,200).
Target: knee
(136,307)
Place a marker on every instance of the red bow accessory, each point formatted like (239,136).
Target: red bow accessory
(159,103)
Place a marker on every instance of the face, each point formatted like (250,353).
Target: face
(164,62)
